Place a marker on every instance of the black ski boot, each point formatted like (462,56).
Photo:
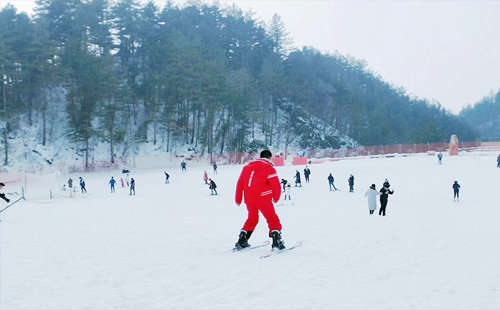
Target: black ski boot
(243,240)
(278,243)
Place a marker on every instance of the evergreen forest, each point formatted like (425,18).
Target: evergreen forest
(206,76)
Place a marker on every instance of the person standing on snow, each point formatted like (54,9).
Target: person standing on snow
(70,183)
(372,194)
(82,185)
(212,186)
(440,157)
(456,190)
(127,180)
(112,182)
(386,184)
(351,183)
(259,185)
(330,182)
(183,166)
(384,197)
(215,168)
(297,179)
(307,172)
(498,161)
(167,177)
(132,186)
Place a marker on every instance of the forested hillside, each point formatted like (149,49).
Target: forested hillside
(484,116)
(214,78)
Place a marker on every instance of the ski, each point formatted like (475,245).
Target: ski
(296,245)
(263,244)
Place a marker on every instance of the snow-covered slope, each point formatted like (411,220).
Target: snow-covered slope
(169,246)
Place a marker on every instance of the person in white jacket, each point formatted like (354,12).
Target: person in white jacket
(372,194)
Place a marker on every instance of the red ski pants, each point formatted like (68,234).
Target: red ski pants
(267,210)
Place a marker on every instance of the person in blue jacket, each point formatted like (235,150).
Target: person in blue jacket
(112,182)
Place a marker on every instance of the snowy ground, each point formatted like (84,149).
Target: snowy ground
(169,246)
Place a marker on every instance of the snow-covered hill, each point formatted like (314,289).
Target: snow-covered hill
(169,246)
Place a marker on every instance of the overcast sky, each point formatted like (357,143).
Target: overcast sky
(445,51)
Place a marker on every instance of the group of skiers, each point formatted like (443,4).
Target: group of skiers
(130,184)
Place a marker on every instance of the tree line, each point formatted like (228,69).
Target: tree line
(204,75)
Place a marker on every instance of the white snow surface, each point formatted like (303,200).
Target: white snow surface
(169,246)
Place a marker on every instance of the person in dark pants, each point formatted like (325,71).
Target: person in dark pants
(2,195)
(351,183)
(330,182)
(456,190)
(384,196)
(112,182)
(212,186)
(132,186)
(283,181)
(307,172)
(82,185)
(215,168)
(167,177)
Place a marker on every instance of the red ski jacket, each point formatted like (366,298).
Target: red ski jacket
(258,182)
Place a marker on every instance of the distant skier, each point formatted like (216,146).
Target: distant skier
(372,194)
(331,179)
(212,186)
(215,168)
(384,197)
(2,195)
(167,177)
(183,166)
(440,157)
(498,161)
(205,176)
(112,182)
(122,182)
(284,182)
(297,179)
(127,180)
(132,186)
(70,183)
(351,183)
(82,185)
(456,190)
(259,184)
(287,191)
(307,173)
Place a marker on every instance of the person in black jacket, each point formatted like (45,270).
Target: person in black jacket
(2,195)
(351,183)
(297,179)
(385,192)
(82,185)
(456,190)
(212,186)
(307,172)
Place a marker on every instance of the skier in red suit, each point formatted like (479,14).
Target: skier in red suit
(260,186)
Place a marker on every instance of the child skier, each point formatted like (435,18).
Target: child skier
(287,191)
